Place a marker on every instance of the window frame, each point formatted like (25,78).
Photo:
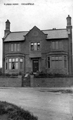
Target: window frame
(57,45)
(65,61)
(12,63)
(21,63)
(48,61)
(35,46)
(15,47)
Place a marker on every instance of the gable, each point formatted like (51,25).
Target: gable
(35,32)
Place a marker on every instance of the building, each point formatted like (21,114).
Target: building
(38,50)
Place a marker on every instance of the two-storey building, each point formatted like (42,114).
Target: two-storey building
(38,50)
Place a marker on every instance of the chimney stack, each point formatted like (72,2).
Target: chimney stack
(68,20)
(69,26)
(7,27)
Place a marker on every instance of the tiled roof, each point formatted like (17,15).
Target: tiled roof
(16,36)
(56,33)
(51,34)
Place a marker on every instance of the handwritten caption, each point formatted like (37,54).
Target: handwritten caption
(18,3)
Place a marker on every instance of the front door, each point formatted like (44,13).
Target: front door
(35,65)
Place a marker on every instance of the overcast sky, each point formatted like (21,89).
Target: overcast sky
(45,14)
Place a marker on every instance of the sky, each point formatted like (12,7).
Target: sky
(25,14)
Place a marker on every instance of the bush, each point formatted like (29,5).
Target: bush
(48,75)
(2,110)
(14,112)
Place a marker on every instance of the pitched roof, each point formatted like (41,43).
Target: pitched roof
(16,36)
(56,33)
(51,34)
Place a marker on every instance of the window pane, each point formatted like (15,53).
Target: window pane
(21,65)
(21,60)
(9,60)
(38,46)
(48,62)
(32,46)
(16,65)
(9,65)
(57,45)
(13,65)
(13,60)
(6,65)
(64,57)
(60,58)
(65,62)
(38,43)
(53,45)
(15,47)
(16,59)
(18,47)
(11,47)
(53,58)
(56,58)
(35,46)
(31,43)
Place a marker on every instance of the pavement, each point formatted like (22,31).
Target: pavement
(45,103)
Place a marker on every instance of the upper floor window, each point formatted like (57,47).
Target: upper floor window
(15,47)
(57,45)
(35,46)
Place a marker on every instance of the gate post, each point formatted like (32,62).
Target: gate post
(22,81)
(32,80)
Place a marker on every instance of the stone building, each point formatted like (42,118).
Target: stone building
(38,50)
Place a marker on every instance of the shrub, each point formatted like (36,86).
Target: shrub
(2,110)
(15,113)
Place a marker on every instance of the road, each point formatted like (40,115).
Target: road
(45,105)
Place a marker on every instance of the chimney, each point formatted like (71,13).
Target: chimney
(69,26)
(68,20)
(69,31)
(7,27)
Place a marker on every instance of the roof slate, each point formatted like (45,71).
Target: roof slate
(56,34)
(16,36)
(51,34)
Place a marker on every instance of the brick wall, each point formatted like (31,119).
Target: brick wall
(10,82)
(52,82)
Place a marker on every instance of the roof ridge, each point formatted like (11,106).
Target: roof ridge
(18,31)
(54,29)
(41,30)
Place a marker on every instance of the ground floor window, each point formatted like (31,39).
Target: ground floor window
(14,63)
(48,62)
(56,62)
(6,64)
(65,61)
(21,63)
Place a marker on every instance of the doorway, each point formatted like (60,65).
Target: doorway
(35,65)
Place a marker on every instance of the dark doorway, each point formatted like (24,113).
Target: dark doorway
(35,65)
